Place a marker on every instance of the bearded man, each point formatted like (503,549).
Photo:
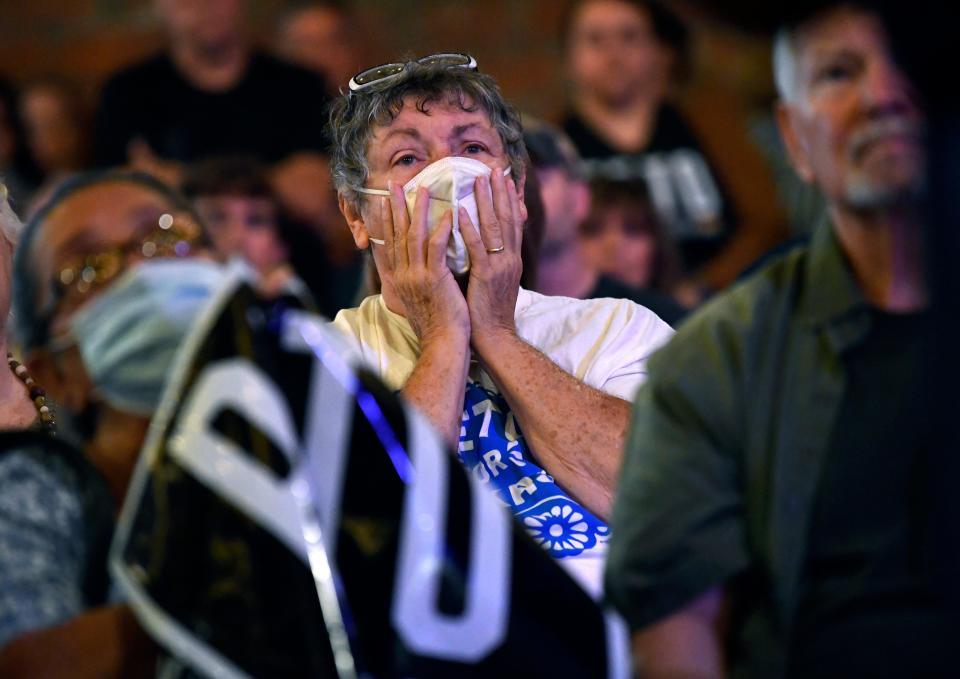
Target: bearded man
(776,513)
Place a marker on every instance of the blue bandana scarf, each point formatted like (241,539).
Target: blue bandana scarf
(493,449)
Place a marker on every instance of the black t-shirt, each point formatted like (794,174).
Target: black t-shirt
(276,109)
(869,605)
(663,306)
(684,186)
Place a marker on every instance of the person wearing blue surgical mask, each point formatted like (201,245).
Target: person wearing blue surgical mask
(109,276)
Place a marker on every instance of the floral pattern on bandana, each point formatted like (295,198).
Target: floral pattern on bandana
(493,449)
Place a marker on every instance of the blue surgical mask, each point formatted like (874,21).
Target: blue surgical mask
(129,334)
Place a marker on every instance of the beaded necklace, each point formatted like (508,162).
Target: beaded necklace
(37,395)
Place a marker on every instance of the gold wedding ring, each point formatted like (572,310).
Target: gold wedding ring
(493,250)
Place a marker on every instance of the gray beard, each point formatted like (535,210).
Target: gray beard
(868,193)
(864,195)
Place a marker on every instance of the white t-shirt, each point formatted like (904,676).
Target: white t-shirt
(604,343)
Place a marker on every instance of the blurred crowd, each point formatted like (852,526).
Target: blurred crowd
(690,207)
(770,269)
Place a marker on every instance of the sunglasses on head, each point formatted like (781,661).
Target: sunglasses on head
(385,73)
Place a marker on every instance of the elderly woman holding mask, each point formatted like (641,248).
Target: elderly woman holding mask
(104,288)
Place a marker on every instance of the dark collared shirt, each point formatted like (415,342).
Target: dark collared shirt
(870,601)
(726,450)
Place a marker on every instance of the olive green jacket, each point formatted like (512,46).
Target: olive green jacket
(728,438)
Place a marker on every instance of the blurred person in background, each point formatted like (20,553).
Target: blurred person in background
(782,510)
(212,93)
(56,128)
(625,59)
(323,37)
(568,263)
(240,214)
(55,509)
(108,277)
(333,276)
(533,230)
(243,216)
(17,170)
(623,238)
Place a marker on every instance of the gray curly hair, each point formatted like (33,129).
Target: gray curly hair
(354,116)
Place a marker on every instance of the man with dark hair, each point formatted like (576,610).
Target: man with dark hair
(774,515)
(429,162)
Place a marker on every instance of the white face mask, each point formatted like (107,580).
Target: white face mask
(450,182)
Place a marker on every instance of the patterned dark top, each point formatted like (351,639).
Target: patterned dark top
(56,519)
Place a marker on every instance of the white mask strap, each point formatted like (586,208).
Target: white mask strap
(384,192)
(456,204)
(374,192)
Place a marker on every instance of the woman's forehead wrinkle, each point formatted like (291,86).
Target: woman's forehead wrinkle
(380,135)
(461,130)
(444,121)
